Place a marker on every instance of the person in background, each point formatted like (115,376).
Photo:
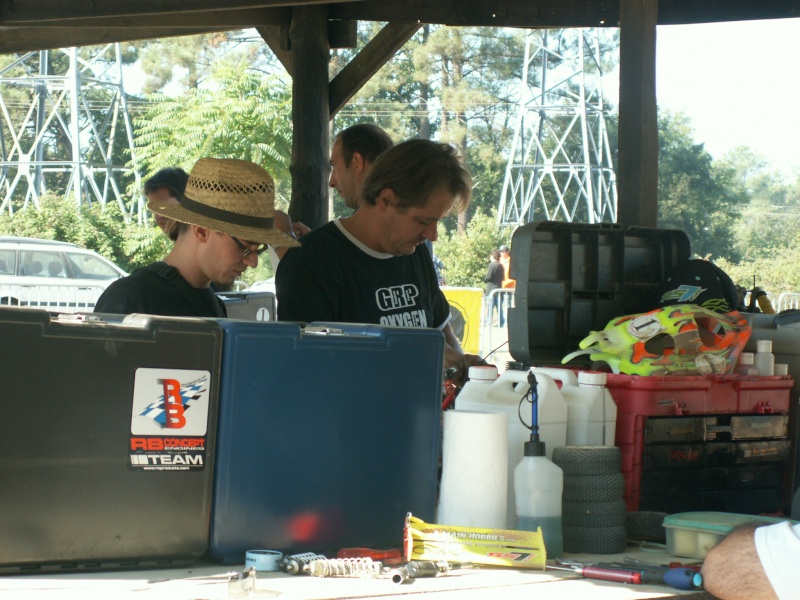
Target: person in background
(493,281)
(508,283)
(374,267)
(223,223)
(167,185)
(755,561)
(353,151)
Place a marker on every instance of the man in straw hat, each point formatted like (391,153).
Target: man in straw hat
(224,224)
(374,266)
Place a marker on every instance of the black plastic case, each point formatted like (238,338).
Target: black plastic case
(573,278)
(89,477)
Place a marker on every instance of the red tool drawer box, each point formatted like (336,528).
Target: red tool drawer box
(639,398)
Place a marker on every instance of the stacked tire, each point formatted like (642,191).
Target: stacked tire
(593,511)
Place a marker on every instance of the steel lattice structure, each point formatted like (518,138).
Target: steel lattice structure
(560,164)
(64,122)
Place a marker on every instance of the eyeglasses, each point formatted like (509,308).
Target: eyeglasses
(248,251)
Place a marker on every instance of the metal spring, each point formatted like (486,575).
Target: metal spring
(364,568)
(298,563)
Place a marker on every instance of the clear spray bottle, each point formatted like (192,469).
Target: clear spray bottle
(538,486)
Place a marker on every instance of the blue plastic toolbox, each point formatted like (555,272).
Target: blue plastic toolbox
(328,436)
(107,432)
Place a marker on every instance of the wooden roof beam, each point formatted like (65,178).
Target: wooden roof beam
(556,13)
(366,63)
(26,39)
(37,11)
(224,19)
(499,13)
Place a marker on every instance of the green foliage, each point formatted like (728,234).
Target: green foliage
(239,114)
(776,274)
(454,84)
(466,256)
(693,194)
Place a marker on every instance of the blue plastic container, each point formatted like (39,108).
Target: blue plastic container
(327,436)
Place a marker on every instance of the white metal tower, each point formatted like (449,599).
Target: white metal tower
(64,124)
(560,166)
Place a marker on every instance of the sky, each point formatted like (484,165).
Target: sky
(739,83)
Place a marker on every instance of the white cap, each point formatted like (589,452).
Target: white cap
(764,346)
(592,378)
(485,374)
(747,358)
(781,369)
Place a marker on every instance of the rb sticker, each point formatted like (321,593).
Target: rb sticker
(169,419)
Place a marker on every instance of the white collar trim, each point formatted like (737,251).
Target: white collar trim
(358,244)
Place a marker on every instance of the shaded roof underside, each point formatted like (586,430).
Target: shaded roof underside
(39,24)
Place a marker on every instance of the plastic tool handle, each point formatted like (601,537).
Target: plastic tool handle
(683,579)
(618,575)
(678,578)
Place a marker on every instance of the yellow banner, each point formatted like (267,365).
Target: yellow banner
(465,316)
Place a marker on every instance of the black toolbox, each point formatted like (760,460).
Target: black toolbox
(107,440)
(573,278)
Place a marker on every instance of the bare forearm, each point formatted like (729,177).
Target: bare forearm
(732,570)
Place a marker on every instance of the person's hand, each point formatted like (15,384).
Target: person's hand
(282,222)
(300,229)
(461,363)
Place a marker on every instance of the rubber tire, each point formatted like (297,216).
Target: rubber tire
(588,460)
(594,514)
(647,526)
(595,540)
(593,488)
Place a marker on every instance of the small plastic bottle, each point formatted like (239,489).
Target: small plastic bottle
(746,364)
(538,489)
(781,369)
(764,360)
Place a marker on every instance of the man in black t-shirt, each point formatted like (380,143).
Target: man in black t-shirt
(224,222)
(374,267)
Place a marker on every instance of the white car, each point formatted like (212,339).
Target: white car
(55,276)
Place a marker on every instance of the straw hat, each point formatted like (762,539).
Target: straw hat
(233,196)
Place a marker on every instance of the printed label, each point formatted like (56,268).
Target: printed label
(169,420)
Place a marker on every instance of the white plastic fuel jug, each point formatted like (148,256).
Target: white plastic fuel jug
(504,396)
(539,485)
(592,417)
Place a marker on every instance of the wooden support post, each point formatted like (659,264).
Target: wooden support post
(637,172)
(308,34)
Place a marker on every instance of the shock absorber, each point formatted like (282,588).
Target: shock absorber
(297,564)
(365,568)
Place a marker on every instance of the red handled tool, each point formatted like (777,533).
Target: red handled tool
(603,573)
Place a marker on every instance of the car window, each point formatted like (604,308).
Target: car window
(8,262)
(36,263)
(87,266)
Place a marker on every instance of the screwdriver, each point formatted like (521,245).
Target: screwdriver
(605,573)
(680,578)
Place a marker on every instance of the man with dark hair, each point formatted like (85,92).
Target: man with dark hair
(167,185)
(374,267)
(224,222)
(353,151)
